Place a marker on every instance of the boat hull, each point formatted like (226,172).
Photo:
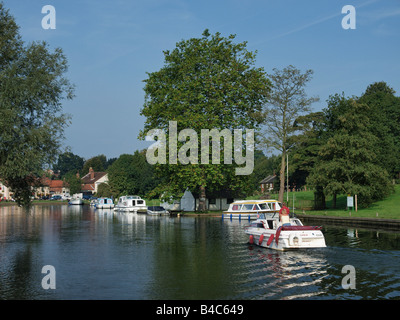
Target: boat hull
(302,238)
(76,202)
(240,216)
(105,206)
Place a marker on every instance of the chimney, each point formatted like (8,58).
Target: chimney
(91,173)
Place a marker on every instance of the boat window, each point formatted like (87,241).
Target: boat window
(261,216)
(236,207)
(270,224)
(264,206)
(256,207)
(247,207)
(139,201)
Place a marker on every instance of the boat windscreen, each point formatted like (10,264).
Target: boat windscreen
(264,206)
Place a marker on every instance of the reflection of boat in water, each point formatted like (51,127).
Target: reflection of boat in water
(104,203)
(249,209)
(131,203)
(283,233)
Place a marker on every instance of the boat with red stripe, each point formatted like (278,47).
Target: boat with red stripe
(282,232)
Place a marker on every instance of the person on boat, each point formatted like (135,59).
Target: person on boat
(284,216)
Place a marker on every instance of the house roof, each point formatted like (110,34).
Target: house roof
(56,184)
(88,179)
(268,179)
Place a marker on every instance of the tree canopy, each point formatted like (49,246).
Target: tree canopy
(206,83)
(287,102)
(32,88)
(348,160)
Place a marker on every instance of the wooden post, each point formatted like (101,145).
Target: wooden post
(356,201)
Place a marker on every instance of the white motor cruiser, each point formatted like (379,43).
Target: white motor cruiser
(249,209)
(131,204)
(280,232)
(104,203)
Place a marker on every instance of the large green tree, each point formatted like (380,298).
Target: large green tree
(32,87)
(206,83)
(348,162)
(384,119)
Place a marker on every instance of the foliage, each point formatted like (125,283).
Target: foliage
(131,174)
(286,103)
(206,83)
(68,162)
(104,190)
(97,163)
(384,116)
(347,162)
(32,86)
(73,181)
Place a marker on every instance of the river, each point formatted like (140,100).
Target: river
(99,254)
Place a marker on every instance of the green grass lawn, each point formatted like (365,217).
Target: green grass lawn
(384,209)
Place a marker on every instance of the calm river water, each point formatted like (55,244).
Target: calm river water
(99,254)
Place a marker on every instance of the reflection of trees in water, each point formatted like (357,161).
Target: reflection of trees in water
(190,260)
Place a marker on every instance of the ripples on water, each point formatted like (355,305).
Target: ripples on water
(106,255)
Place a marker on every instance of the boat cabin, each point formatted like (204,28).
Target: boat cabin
(254,206)
(271,221)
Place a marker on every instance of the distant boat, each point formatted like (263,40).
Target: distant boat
(75,201)
(157,211)
(104,203)
(131,204)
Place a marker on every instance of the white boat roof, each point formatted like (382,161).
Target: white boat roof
(253,201)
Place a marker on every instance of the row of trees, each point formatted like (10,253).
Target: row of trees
(128,174)
(211,82)
(350,147)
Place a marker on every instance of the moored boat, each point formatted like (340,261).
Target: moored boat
(75,201)
(131,204)
(281,232)
(157,211)
(249,209)
(104,203)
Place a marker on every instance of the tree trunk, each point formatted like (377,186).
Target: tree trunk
(202,200)
(334,201)
(319,198)
(282,177)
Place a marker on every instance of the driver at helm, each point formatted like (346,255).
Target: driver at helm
(284,216)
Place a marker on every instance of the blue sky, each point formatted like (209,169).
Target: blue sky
(110,45)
